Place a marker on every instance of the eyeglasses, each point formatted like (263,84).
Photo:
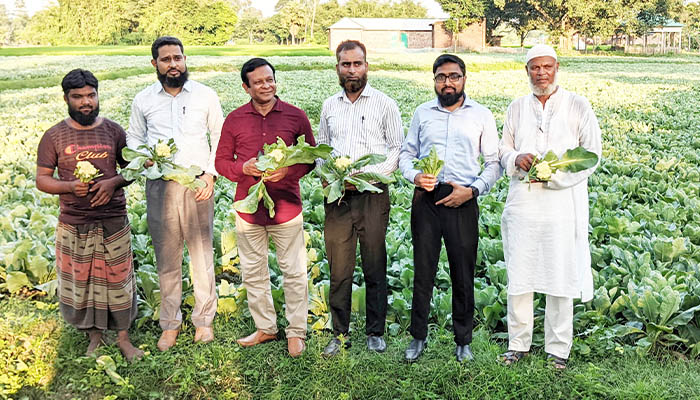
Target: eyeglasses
(453,77)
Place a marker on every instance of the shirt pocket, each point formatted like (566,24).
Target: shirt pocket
(372,126)
(466,138)
(336,128)
(194,120)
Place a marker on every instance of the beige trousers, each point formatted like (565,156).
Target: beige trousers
(175,218)
(291,257)
(558,324)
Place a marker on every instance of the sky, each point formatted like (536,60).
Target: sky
(266,6)
(32,6)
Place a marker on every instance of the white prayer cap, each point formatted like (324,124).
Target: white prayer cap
(540,50)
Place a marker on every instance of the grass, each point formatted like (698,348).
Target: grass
(56,369)
(239,50)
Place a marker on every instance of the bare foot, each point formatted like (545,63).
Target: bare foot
(95,337)
(128,350)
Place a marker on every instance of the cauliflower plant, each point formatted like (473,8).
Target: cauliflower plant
(544,171)
(85,171)
(162,149)
(277,154)
(342,163)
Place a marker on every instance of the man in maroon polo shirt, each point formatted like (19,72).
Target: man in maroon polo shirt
(245,131)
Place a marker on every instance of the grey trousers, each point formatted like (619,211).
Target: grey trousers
(174,217)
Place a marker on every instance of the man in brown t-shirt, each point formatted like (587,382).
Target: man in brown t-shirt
(96,285)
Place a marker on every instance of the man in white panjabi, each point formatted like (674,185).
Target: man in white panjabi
(545,225)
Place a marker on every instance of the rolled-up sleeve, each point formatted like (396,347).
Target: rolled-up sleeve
(136,134)
(489,150)
(225,162)
(410,149)
(215,122)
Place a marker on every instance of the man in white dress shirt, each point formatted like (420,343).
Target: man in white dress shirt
(545,225)
(356,121)
(189,112)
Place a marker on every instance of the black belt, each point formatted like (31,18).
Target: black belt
(351,192)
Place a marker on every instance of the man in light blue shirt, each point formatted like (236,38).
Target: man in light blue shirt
(445,206)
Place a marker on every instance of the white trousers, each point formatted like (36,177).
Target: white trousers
(291,257)
(558,324)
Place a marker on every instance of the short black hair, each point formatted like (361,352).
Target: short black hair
(449,58)
(165,41)
(78,78)
(251,65)
(349,45)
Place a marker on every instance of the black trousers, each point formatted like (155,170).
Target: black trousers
(459,227)
(363,216)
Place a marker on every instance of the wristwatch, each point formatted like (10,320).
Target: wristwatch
(475,192)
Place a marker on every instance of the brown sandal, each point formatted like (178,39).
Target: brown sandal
(510,357)
(557,362)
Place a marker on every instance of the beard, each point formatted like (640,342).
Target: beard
(172,82)
(449,99)
(84,119)
(545,91)
(353,86)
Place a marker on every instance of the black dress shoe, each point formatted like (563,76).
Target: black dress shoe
(376,343)
(333,347)
(415,349)
(464,353)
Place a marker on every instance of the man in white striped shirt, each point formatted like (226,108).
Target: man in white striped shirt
(356,121)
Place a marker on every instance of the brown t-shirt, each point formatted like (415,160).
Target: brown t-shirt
(63,146)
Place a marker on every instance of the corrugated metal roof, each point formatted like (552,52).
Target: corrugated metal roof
(386,24)
(670,23)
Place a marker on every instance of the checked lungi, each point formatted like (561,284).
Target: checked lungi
(96,285)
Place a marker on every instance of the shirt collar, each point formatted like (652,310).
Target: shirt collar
(160,89)
(435,104)
(276,108)
(368,91)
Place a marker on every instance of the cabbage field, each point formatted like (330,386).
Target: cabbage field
(644,197)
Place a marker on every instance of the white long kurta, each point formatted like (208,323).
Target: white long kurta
(545,225)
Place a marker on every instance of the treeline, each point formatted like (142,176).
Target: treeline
(565,18)
(196,22)
(307,21)
(110,22)
(217,22)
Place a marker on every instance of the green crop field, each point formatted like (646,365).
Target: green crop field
(638,338)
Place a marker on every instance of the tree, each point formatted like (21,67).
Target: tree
(690,17)
(596,18)
(17,22)
(249,25)
(328,13)
(564,18)
(291,17)
(314,8)
(4,26)
(208,22)
(518,14)
(653,13)
(462,13)
(407,9)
